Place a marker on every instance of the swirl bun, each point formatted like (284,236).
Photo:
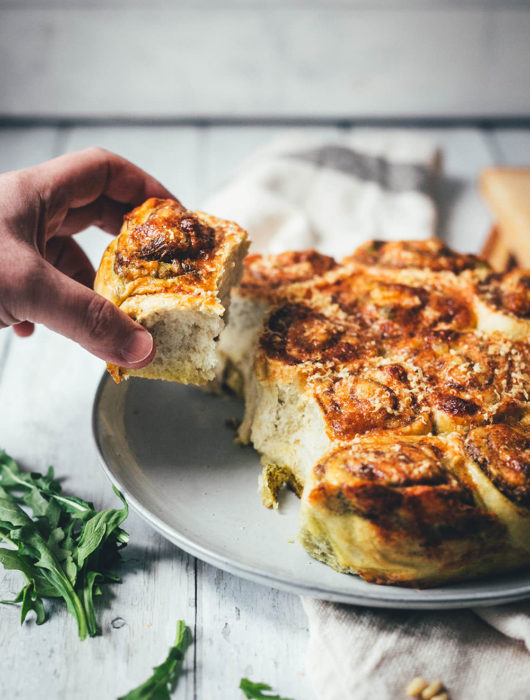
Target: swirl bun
(268,275)
(498,462)
(171,270)
(296,333)
(372,395)
(400,307)
(431,255)
(163,239)
(503,454)
(503,304)
(473,379)
(405,508)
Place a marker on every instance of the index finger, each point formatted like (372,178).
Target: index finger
(77,179)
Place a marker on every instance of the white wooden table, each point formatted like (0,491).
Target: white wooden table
(47,385)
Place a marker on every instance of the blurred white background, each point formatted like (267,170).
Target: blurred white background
(338,59)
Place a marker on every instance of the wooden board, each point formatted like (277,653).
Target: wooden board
(511,148)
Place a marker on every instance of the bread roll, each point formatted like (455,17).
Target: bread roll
(171,270)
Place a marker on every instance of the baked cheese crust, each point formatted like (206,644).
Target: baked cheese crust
(391,392)
(171,270)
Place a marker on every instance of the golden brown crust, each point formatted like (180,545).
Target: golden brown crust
(503,453)
(472,378)
(371,395)
(404,486)
(296,333)
(509,292)
(165,249)
(394,307)
(430,254)
(266,274)
(400,340)
(162,239)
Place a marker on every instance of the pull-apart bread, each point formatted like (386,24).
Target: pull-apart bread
(172,270)
(391,392)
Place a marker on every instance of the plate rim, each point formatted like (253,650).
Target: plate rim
(295,586)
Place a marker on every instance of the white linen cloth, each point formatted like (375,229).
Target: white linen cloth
(300,193)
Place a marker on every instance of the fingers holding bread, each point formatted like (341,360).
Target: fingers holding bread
(171,270)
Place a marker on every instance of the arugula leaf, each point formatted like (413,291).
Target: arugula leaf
(65,550)
(31,601)
(98,529)
(165,677)
(255,690)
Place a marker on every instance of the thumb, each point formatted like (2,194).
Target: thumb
(73,310)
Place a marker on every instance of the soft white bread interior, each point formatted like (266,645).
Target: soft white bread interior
(172,271)
(286,426)
(266,280)
(283,423)
(185,338)
(238,342)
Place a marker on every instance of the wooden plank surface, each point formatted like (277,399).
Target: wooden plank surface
(20,148)
(46,391)
(255,60)
(238,621)
(464,219)
(511,147)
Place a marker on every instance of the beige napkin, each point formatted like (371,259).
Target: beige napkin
(363,653)
(298,193)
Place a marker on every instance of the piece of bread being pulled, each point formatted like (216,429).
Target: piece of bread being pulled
(171,270)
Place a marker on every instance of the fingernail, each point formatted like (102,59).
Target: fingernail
(137,348)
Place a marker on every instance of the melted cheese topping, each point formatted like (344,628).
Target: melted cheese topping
(508,293)
(503,454)
(395,307)
(164,248)
(371,395)
(401,340)
(295,333)
(431,255)
(267,275)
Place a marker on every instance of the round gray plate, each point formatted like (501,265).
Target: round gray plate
(169,449)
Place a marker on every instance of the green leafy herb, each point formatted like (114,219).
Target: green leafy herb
(255,690)
(165,677)
(65,549)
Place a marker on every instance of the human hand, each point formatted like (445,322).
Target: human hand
(45,277)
